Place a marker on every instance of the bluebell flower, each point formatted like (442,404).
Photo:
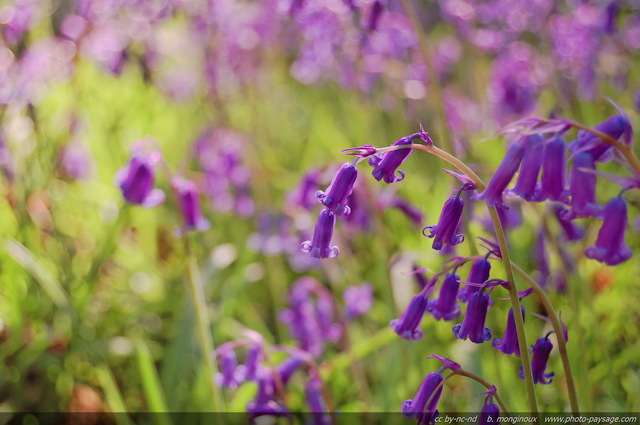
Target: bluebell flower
(444,307)
(445,231)
(315,401)
(503,175)
(229,376)
(490,411)
(335,198)
(423,405)
(530,167)
(610,247)
(265,402)
(479,273)
(137,179)
(319,245)
(554,170)
(472,326)
(617,126)
(188,199)
(541,351)
(509,342)
(386,164)
(582,187)
(407,326)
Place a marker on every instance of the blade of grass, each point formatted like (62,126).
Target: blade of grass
(151,384)
(114,398)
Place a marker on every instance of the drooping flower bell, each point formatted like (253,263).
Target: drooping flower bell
(472,326)
(407,326)
(229,376)
(316,402)
(582,187)
(530,167)
(571,231)
(423,405)
(335,198)
(479,273)
(188,198)
(319,245)
(386,164)
(503,175)
(509,342)
(490,411)
(136,180)
(610,247)
(265,402)
(554,170)
(616,127)
(445,231)
(304,196)
(541,351)
(444,307)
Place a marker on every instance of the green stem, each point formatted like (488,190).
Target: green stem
(506,261)
(203,326)
(557,327)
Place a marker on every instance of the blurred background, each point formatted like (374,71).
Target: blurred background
(253,101)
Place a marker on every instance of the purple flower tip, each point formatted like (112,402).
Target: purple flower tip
(358,300)
(503,175)
(450,364)
(509,343)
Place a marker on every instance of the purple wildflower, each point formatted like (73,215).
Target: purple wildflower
(407,326)
(357,300)
(188,198)
(582,186)
(411,211)
(541,351)
(264,403)
(472,326)
(530,168)
(490,411)
(385,164)
(611,14)
(335,198)
(136,180)
(554,170)
(429,392)
(617,126)
(445,231)
(230,376)
(479,273)
(315,401)
(610,247)
(444,307)
(251,366)
(319,245)
(509,342)
(503,175)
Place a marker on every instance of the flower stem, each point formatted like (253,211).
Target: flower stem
(557,327)
(203,326)
(506,261)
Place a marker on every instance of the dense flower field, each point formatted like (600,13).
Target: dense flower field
(322,206)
